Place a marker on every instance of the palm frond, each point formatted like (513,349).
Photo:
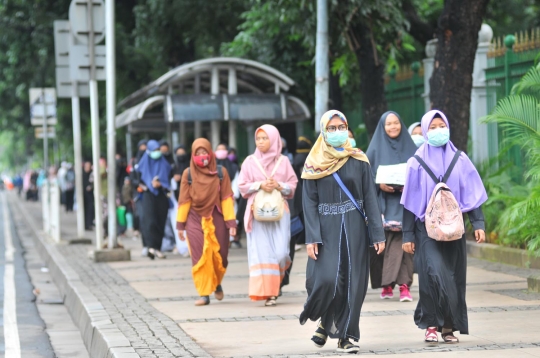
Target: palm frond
(519,117)
(529,83)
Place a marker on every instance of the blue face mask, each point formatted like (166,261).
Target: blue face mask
(438,137)
(337,138)
(418,139)
(155,154)
(353,142)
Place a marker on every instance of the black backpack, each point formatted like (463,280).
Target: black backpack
(219,173)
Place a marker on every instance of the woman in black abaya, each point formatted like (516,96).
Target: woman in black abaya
(336,234)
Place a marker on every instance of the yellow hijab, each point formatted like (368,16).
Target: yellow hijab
(323,159)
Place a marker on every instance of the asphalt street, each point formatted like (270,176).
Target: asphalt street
(23,330)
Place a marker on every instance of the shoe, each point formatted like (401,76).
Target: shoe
(144,252)
(404,294)
(320,336)
(159,254)
(345,346)
(449,337)
(151,253)
(270,302)
(236,245)
(387,293)
(431,335)
(203,301)
(219,293)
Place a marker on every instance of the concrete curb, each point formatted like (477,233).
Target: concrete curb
(509,256)
(101,337)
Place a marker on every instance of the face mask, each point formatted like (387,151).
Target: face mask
(232,157)
(155,155)
(221,154)
(438,137)
(353,142)
(418,139)
(337,138)
(201,160)
(181,158)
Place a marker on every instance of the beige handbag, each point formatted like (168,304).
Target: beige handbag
(268,206)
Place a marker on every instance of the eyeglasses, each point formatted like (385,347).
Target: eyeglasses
(332,129)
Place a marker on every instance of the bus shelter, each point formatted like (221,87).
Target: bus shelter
(223,99)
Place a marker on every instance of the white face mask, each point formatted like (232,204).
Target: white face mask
(418,139)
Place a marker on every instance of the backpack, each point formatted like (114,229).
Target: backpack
(219,173)
(268,206)
(444,219)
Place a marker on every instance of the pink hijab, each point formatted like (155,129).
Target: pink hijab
(251,174)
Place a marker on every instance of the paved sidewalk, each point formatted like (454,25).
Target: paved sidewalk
(151,303)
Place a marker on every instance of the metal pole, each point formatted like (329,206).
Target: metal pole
(94,116)
(321,62)
(46,161)
(215,126)
(111,114)
(45,135)
(232,89)
(79,190)
(128,146)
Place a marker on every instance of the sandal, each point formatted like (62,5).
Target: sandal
(345,346)
(203,301)
(319,337)
(218,294)
(431,335)
(270,302)
(449,338)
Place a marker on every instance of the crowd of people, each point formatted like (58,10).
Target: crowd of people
(356,227)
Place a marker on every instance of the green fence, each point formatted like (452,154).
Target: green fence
(404,89)
(508,61)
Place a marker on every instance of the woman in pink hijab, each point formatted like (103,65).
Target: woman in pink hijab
(267,241)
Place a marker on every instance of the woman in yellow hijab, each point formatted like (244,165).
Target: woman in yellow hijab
(337,218)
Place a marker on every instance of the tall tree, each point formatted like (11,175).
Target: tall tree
(451,82)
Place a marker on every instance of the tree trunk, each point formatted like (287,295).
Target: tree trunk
(372,71)
(451,82)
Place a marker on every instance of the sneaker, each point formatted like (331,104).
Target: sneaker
(404,294)
(144,252)
(345,346)
(387,293)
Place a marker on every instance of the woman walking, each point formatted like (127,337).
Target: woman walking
(441,265)
(298,234)
(267,241)
(337,237)
(206,213)
(154,181)
(391,145)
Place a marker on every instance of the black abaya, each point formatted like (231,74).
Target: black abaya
(337,281)
(153,219)
(442,275)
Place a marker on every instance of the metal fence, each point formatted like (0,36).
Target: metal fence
(508,60)
(404,90)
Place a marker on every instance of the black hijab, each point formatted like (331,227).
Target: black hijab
(181,161)
(384,150)
(168,156)
(140,152)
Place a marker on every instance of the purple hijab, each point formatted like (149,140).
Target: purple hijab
(464,181)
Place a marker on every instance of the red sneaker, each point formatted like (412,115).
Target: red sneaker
(387,293)
(404,294)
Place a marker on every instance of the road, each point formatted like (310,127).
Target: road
(30,324)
